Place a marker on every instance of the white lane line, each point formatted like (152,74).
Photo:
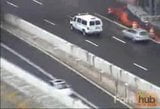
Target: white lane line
(140,66)
(27,60)
(91,43)
(111,21)
(11,4)
(118,39)
(37,2)
(49,22)
(84,99)
(69,16)
(44,72)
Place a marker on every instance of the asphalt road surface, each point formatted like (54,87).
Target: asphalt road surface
(142,59)
(80,85)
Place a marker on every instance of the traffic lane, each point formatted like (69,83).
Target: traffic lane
(73,37)
(29,14)
(51,11)
(122,55)
(151,63)
(144,53)
(129,59)
(80,85)
(24,10)
(19,62)
(150,54)
(62,18)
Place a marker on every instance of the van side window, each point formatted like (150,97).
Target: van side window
(79,20)
(84,22)
(75,19)
(91,23)
(98,22)
(132,31)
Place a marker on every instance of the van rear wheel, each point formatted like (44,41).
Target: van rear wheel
(134,40)
(84,32)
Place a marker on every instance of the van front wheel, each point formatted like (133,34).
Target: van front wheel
(72,28)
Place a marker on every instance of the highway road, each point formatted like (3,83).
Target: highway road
(142,59)
(22,54)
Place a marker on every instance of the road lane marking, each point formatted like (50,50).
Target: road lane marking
(111,21)
(69,16)
(37,2)
(49,22)
(27,60)
(84,99)
(140,66)
(91,43)
(118,39)
(40,69)
(12,4)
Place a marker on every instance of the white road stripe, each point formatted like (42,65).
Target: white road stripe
(12,4)
(111,21)
(37,2)
(118,39)
(69,16)
(44,72)
(84,99)
(140,66)
(49,22)
(27,60)
(91,43)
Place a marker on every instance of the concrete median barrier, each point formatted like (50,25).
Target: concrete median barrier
(120,83)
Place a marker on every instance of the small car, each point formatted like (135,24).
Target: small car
(86,23)
(61,85)
(137,34)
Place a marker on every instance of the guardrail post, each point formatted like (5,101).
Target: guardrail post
(126,92)
(115,99)
(100,75)
(116,88)
(110,68)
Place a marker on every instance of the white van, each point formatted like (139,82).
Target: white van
(87,24)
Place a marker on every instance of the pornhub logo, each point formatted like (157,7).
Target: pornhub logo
(146,99)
